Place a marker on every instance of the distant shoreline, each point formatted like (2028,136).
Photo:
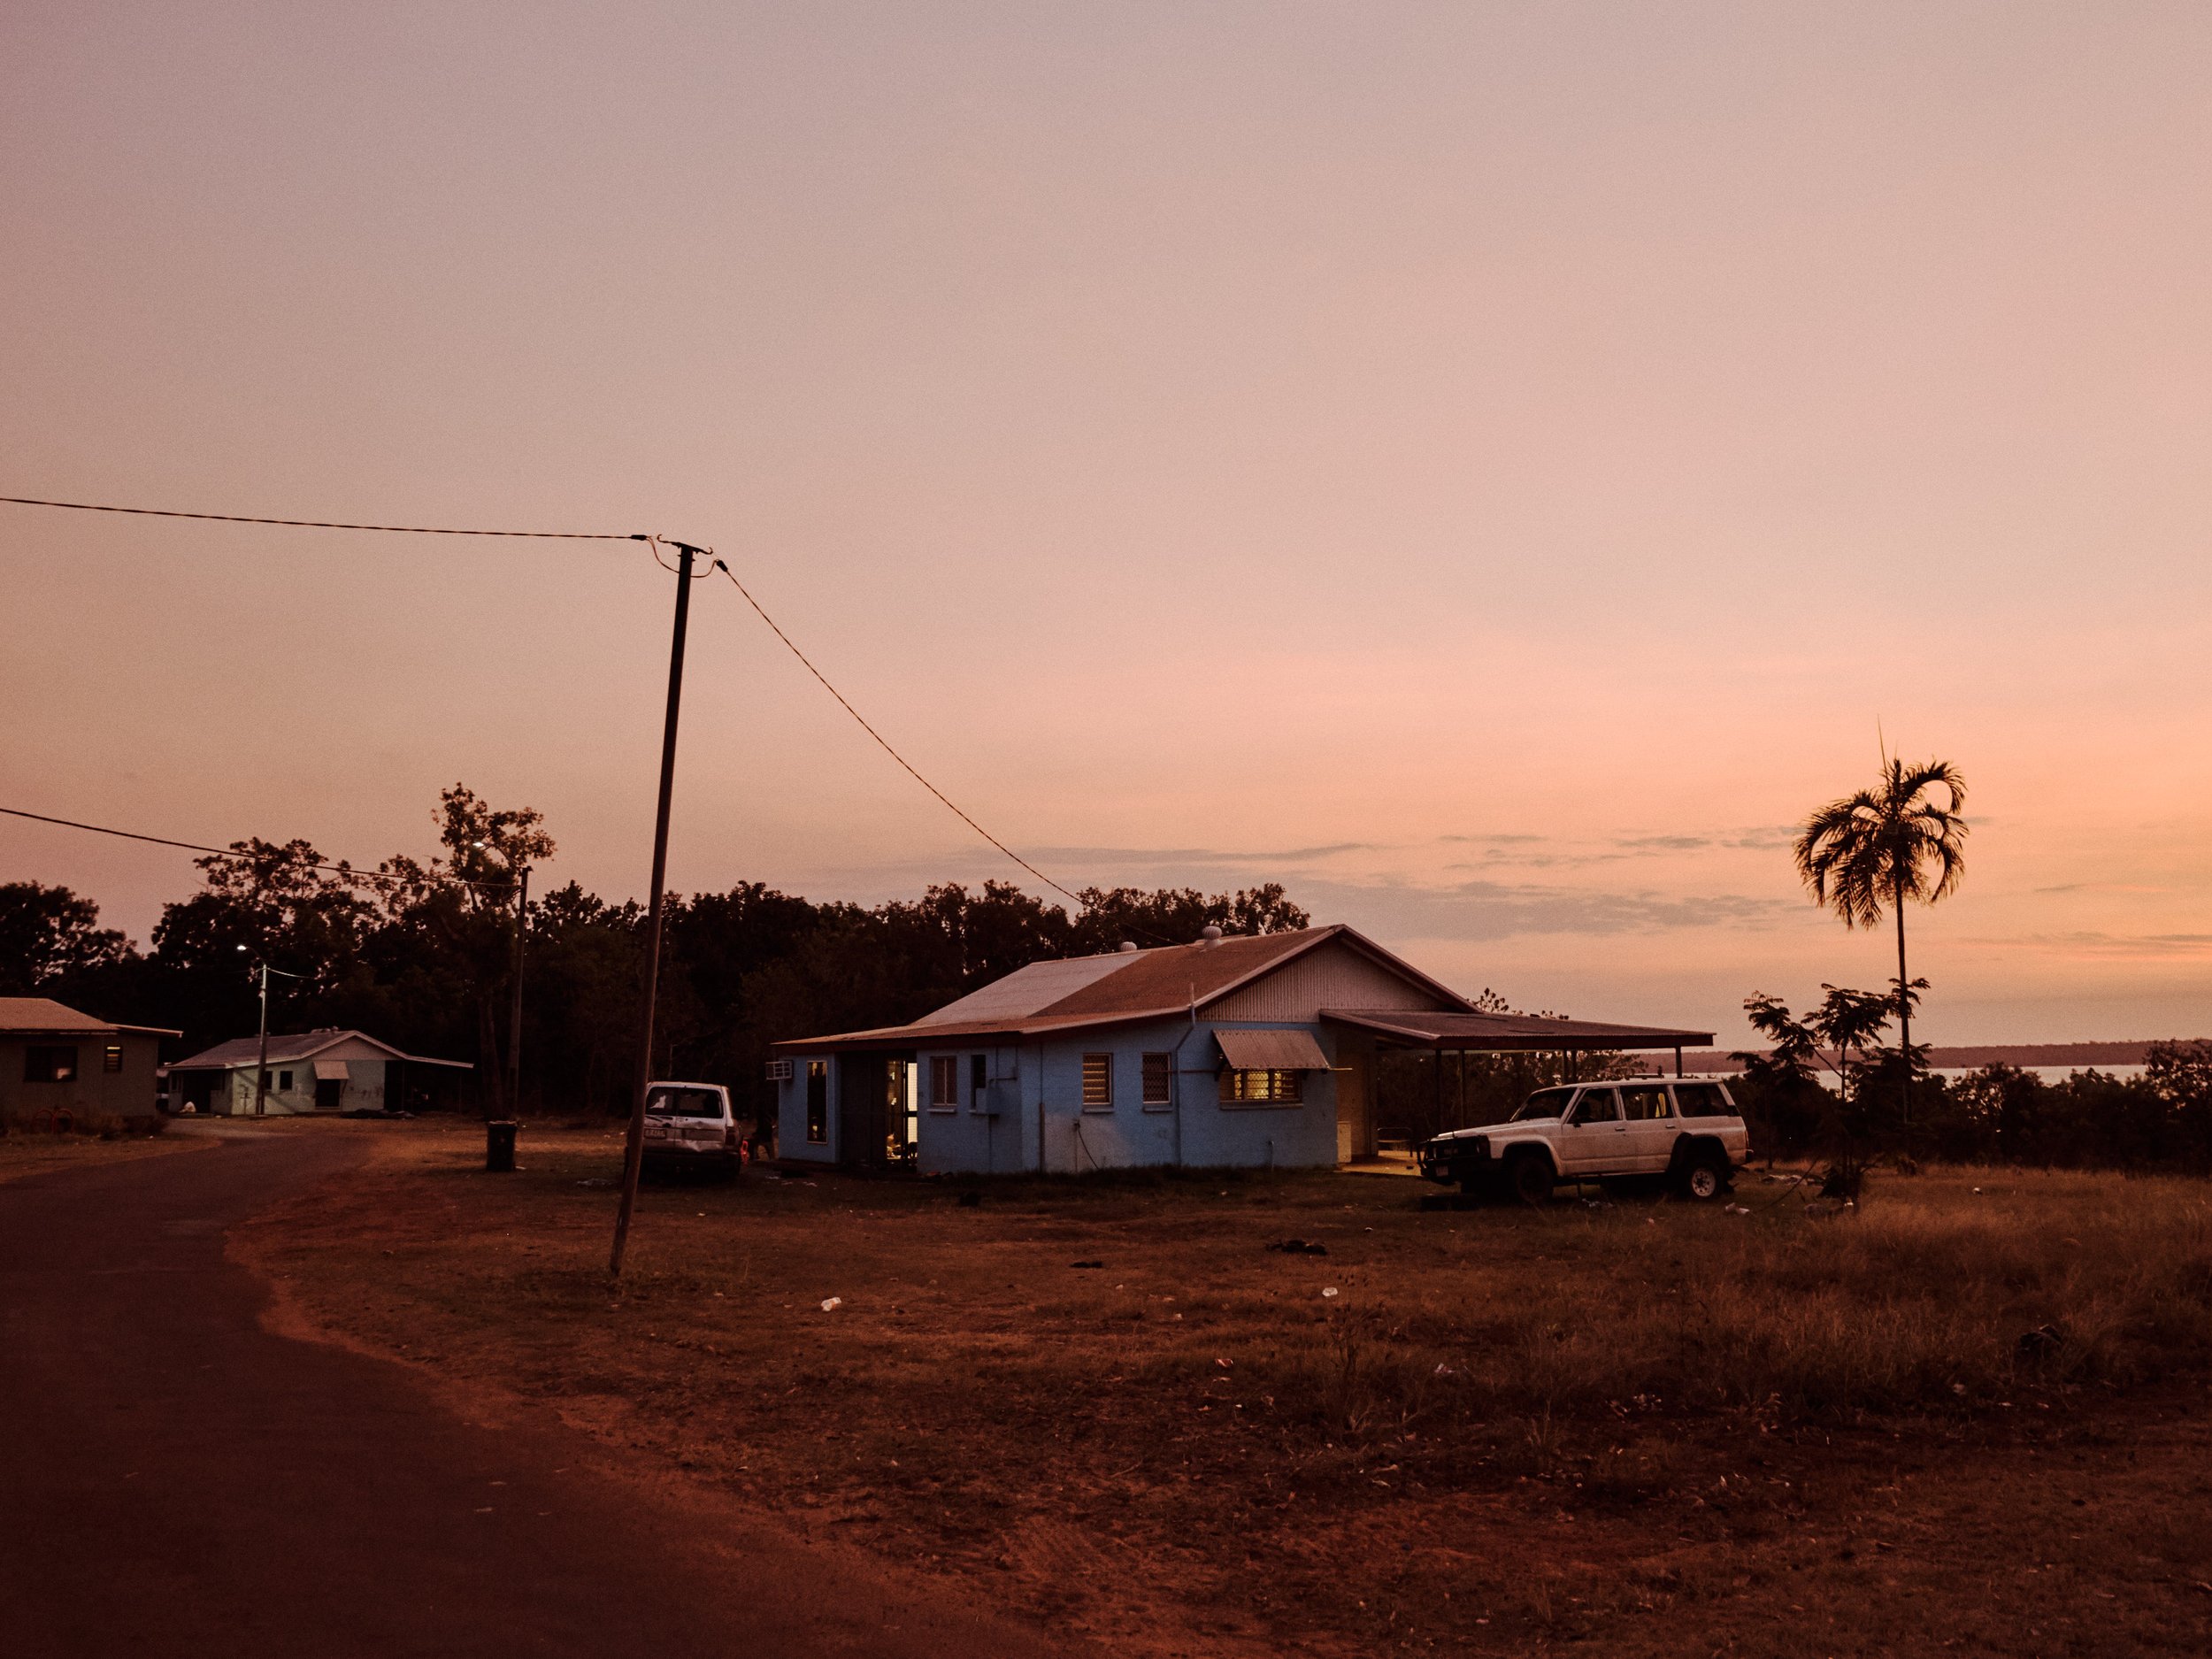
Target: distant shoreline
(2024,1055)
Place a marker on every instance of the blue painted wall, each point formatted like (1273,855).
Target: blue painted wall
(1035,1101)
(1030,1113)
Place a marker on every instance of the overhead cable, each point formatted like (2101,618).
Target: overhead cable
(352,872)
(653,544)
(1076,899)
(326,523)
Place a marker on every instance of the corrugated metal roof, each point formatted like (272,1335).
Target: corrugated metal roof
(290,1048)
(1027,991)
(1176,976)
(42,1016)
(1126,985)
(1508,1034)
(1258,1050)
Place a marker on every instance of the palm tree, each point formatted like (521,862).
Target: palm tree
(1875,850)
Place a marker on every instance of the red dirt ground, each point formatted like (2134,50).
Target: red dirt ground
(1190,1450)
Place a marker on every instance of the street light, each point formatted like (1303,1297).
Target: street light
(261,1069)
(514,1016)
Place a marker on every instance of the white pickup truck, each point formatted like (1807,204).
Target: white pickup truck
(691,1125)
(1688,1134)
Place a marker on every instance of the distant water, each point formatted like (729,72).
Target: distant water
(2047,1073)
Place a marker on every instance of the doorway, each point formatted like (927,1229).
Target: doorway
(876,1127)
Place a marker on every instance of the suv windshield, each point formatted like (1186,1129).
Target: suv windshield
(685,1103)
(1546,1103)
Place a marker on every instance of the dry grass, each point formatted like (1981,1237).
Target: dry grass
(30,1147)
(1658,1428)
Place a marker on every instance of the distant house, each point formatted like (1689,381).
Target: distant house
(314,1072)
(1232,1052)
(52,1055)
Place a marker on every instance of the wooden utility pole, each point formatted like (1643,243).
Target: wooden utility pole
(261,1071)
(634,1145)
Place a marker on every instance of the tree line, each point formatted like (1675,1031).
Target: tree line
(1830,1088)
(421,953)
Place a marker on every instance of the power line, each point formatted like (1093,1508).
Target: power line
(348,871)
(652,541)
(1075,898)
(325,524)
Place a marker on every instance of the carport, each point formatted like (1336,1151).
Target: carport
(1443,1033)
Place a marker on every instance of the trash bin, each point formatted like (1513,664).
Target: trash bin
(499,1145)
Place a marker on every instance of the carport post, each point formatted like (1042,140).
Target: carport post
(634,1145)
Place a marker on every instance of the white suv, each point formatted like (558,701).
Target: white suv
(1687,1134)
(692,1125)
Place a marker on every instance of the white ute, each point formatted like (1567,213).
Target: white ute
(1688,1134)
(691,1124)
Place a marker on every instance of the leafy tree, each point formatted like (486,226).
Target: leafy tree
(1851,1022)
(50,939)
(1873,850)
(1782,1082)
(467,901)
(1781,1086)
(268,902)
(1177,916)
(580,1016)
(2179,1074)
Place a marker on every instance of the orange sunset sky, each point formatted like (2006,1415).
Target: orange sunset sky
(1492,468)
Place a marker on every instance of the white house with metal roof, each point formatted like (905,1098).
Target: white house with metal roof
(316,1071)
(1246,1052)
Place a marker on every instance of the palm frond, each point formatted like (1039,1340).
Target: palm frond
(1865,852)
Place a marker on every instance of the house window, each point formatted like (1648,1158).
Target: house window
(1098,1082)
(1262,1087)
(111,1057)
(944,1083)
(818,1102)
(284,1082)
(1159,1078)
(44,1064)
(979,1080)
(268,1082)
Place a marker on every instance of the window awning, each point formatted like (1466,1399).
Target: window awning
(1272,1050)
(330,1071)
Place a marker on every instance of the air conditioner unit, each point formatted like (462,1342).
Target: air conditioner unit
(779,1071)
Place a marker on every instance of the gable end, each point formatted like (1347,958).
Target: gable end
(1337,975)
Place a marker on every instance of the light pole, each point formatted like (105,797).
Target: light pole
(514,1017)
(261,1070)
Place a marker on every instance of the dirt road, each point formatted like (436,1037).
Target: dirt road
(177,1480)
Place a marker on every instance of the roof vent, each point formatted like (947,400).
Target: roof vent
(1209,935)
(1128,946)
